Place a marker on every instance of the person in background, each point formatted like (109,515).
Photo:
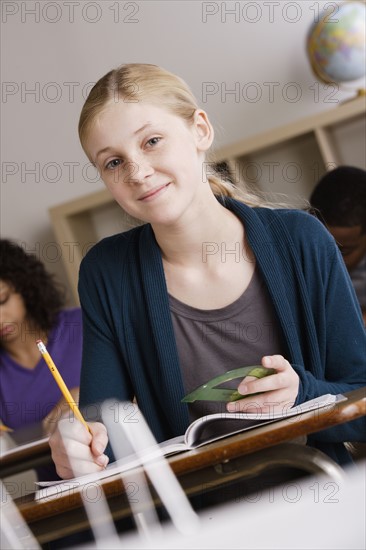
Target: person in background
(169,305)
(339,201)
(31,308)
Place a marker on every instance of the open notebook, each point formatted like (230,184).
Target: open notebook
(202,431)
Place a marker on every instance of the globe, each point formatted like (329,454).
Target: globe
(336,44)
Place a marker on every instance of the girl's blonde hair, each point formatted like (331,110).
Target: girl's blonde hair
(136,82)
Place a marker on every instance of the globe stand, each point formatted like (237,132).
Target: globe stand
(360,93)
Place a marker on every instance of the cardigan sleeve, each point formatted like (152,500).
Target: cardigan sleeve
(340,331)
(103,374)
(314,298)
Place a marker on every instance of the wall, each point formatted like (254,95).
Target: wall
(53,51)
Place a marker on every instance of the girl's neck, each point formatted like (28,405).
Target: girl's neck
(199,236)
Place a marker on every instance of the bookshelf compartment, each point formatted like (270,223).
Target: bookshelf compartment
(290,168)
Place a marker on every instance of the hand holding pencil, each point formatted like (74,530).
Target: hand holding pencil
(70,440)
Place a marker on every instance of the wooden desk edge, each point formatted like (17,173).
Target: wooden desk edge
(19,454)
(229,448)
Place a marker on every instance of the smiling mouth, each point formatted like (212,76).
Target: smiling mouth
(153,192)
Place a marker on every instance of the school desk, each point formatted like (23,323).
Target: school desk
(204,468)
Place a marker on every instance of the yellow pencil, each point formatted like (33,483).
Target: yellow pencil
(61,384)
(4,428)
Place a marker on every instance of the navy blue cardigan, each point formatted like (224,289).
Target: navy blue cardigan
(129,345)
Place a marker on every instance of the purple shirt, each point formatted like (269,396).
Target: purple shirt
(28,395)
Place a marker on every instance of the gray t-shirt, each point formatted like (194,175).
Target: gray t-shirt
(211,342)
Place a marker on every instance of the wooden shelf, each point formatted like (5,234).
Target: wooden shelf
(82,222)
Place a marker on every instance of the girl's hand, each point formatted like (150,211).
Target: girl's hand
(75,451)
(279,390)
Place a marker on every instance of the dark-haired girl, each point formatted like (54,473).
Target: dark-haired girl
(31,308)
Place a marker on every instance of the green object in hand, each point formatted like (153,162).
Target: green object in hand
(209,391)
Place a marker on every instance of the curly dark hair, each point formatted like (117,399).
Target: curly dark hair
(43,296)
(339,197)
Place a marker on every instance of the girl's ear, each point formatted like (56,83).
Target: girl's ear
(203,130)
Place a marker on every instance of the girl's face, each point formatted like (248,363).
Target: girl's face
(12,313)
(150,159)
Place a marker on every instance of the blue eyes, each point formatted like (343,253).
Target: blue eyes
(117,162)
